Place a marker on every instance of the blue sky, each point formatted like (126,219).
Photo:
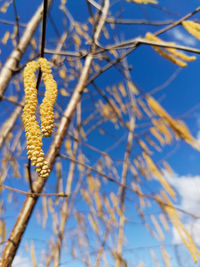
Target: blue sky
(149,71)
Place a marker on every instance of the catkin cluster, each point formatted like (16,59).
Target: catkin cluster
(171,54)
(192,27)
(32,129)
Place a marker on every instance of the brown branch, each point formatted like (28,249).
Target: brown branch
(15,57)
(104,13)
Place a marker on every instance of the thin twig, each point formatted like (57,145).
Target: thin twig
(138,22)
(109,65)
(138,41)
(177,22)
(29,175)
(166,83)
(17,20)
(53,24)
(12,101)
(66,53)
(12,23)
(90,9)
(111,179)
(33,194)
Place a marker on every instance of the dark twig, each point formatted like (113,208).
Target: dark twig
(17,21)
(90,9)
(138,22)
(12,101)
(4,21)
(66,53)
(53,24)
(177,22)
(29,175)
(44,22)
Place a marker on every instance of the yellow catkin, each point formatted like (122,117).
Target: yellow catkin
(181,55)
(192,27)
(184,235)
(171,54)
(179,128)
(163,129)
(165,257)
(143,1)
(156,173)
(157,227)
(32,129)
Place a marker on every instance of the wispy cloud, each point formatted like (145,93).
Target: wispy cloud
(183,38)
(198,136)
(23,261)
(188,188)
(20,261)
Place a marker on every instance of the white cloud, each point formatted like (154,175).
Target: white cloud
(20,261)
(188,188)
(183,38)
(198,136)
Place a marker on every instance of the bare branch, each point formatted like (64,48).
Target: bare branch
(32,194)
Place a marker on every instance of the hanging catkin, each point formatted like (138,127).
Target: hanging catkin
(176,57)
(32,129)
